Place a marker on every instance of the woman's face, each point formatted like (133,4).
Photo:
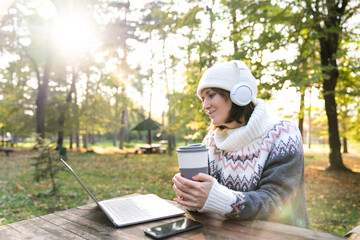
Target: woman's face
(217,107)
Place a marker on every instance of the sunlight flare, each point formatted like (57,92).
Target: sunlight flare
(72,34)
(46,10)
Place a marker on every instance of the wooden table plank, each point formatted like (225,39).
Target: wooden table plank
(227,229)
(71,229)
(95,220)
(258,228)
(89,222)
(28,228)
(55,231)
(289,230)
(9,232)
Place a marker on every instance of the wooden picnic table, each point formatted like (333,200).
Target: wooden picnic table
(89,222)
(153,148)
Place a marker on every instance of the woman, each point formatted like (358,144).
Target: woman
(256,165)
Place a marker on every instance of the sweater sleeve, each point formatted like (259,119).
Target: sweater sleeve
(277,194)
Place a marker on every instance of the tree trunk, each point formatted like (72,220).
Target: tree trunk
(301,113)
(76,120)
(115,138)
(41,100)
(85,140)
(329,45)
(345,145)
(77,138)
(71,141)
(329,48)
(336,162)
(60,138)
(309,119)
(64,110)
(171,142)
(116,119)
(122,129)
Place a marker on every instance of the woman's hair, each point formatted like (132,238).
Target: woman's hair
(237,113)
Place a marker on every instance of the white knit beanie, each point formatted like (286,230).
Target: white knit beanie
(225,75)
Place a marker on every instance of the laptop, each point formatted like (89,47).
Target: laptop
(133,209)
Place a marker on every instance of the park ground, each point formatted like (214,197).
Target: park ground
(333,198)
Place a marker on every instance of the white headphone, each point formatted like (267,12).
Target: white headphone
(241,93)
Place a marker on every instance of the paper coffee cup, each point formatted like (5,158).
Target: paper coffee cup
(193,159)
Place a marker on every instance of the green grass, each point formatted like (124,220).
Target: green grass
(333,199)
(106,175)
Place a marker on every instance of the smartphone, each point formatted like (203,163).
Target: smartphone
(169,229)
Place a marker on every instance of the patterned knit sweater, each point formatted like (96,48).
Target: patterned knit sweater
(259,170)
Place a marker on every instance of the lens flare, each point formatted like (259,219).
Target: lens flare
(47,10)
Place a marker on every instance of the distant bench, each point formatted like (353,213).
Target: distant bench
(6,150)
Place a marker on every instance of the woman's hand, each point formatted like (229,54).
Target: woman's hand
(192,194)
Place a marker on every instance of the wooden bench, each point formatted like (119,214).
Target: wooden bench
(6,150)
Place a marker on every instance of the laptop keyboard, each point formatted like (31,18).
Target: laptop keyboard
(127,209)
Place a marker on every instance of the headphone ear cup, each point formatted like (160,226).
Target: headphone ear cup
(241,94)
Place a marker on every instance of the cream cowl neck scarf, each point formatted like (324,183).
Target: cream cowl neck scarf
(236,139)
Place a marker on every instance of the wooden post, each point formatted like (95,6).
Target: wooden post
(149,137)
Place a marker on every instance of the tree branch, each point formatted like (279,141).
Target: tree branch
(350,13)
(35,66)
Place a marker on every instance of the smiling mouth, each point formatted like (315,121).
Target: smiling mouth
(211,113)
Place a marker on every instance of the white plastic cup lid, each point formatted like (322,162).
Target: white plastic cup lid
(193,148)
